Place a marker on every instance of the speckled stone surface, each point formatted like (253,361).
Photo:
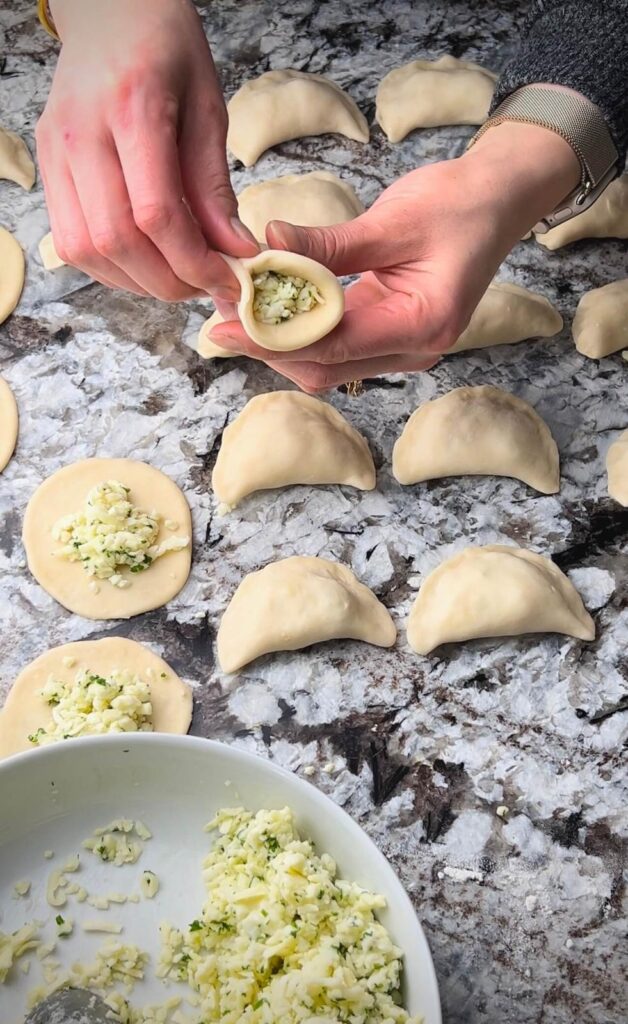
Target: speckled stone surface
(524,913)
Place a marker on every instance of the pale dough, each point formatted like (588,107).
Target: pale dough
(477,431)
(287,104)
(495,591)
(607,218)
(617,469)
(205,346)
(507,314)
(286,438)
(303,329)
(16,163)
(313,200)
(600,326)
(49,255)
(430,93)
(12,268)
(64,493)
(25,711)
(297,602)
(8,423)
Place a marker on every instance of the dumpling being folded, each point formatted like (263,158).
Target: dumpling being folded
(600,326)
(287,104)
(313,200)
(495,591)
(287,301)
(286,438)
(296,602)
(607,218)
(507,314)
(477,431)
(429,93)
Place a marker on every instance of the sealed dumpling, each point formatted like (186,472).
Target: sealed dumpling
(48,253)
(313,200)
(16,163)
(600,326)
(477,431)
(287,104)
(617,469)
(495,591)
(286,438)
(607,218)
(429,93)
(507,314)
(287,301)
(295,603)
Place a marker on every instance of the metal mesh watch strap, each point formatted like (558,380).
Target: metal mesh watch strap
(577,120)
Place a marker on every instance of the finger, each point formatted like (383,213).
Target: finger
(369,242)
(147,146)
(314,377)
(205,172)
(69,229)
(397,325)
(113,231)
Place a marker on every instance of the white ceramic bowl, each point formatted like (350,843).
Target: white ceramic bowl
(53,798)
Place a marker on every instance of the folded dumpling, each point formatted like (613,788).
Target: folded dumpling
(313,200)
(600,326)
(429,93)
(617,469)
(288,104)
(606,218)
(287,437)
(495,591)
(477,431)
(297,602)
(507,314)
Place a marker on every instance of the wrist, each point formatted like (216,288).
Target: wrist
(525,171)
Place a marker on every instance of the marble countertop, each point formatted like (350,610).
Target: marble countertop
(524,912)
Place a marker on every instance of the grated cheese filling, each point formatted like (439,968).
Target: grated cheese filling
(95,704)
(279,297)
(281,937)
(111,534)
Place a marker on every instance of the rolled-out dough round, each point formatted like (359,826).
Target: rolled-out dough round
(8,423)
(25,711)
(11,273)
(65,493)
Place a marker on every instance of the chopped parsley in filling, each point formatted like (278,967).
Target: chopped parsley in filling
(111,534)
(93,705)
(279,297)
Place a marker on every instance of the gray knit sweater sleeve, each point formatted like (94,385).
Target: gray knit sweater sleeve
(582,44)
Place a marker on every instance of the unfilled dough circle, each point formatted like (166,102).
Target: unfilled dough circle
(8,423)
(65,493)
(11,273)
(25,711)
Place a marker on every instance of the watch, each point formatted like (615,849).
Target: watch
(580,123)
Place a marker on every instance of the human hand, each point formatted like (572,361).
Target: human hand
(135,124)
(427,250)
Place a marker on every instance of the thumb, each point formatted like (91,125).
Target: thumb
(369,242)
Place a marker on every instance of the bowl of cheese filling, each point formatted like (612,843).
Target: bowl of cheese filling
(187,882)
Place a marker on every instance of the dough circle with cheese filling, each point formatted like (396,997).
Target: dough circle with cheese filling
(65,493)
(8,423)
(25,711)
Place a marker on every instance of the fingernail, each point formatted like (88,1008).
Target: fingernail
(225,294)
(243,232)
(220,337)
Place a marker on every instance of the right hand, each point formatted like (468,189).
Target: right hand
(131,147)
